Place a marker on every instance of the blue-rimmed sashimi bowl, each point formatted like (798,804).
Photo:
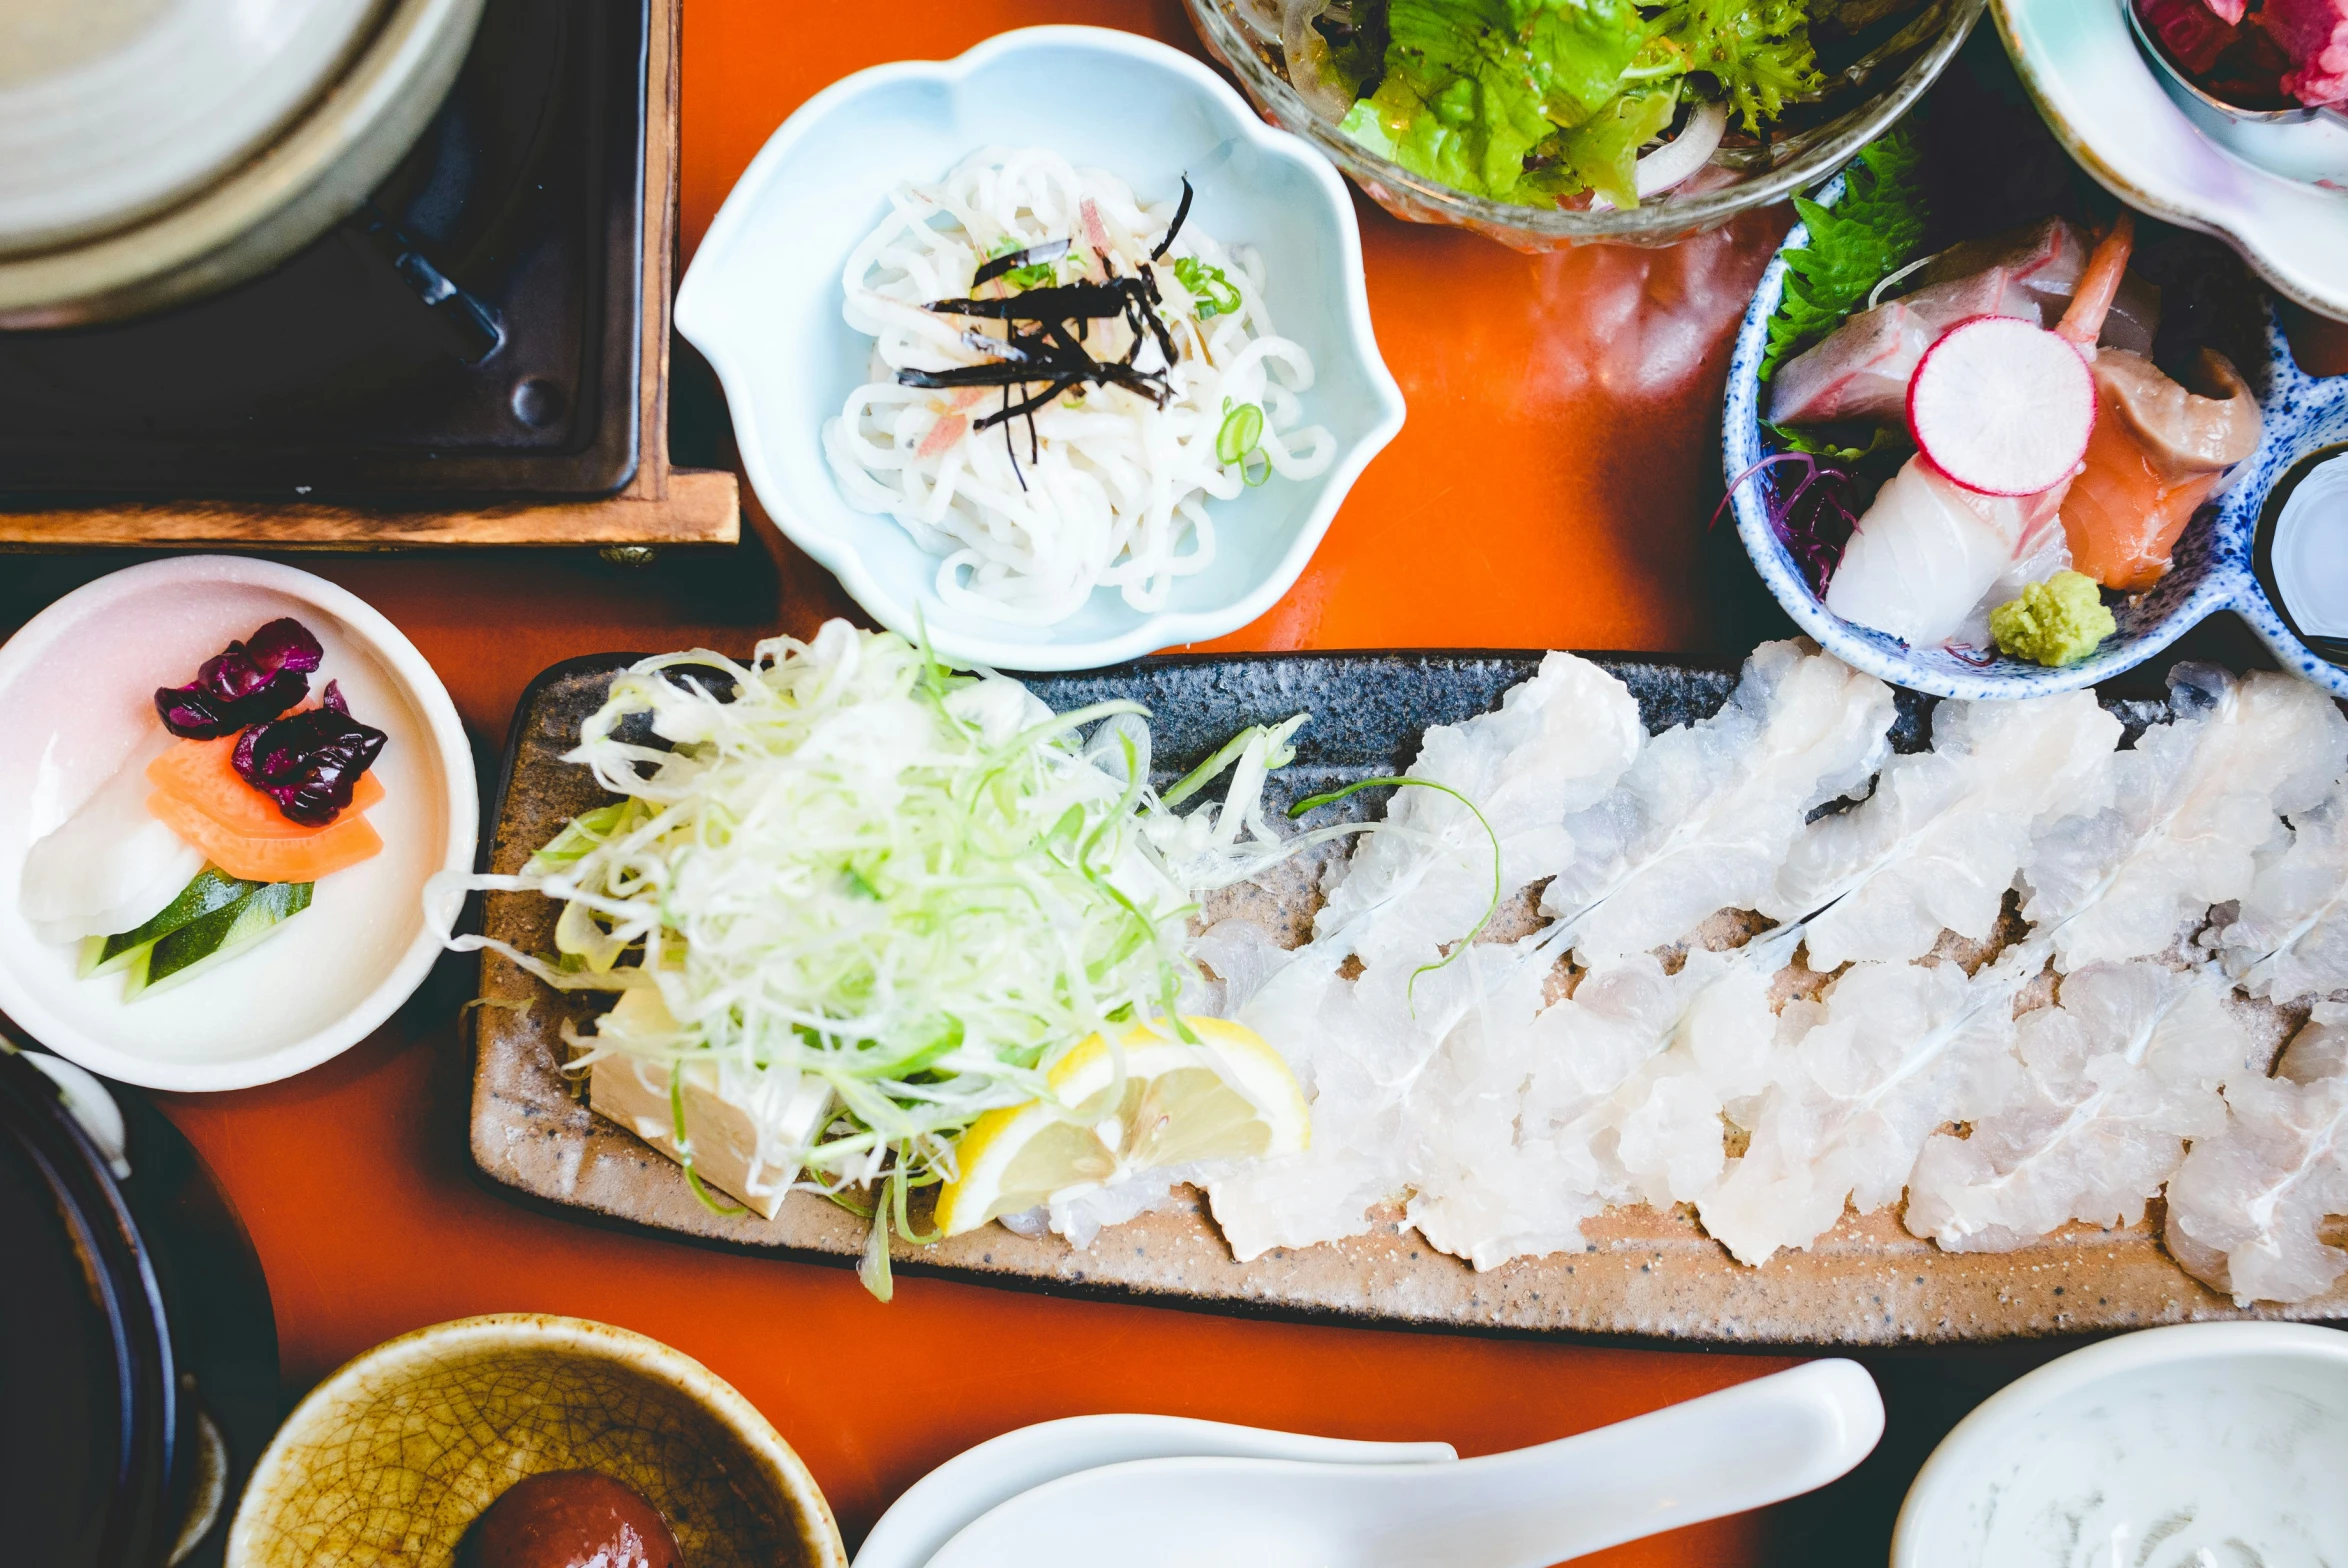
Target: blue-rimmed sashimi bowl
(2215,560)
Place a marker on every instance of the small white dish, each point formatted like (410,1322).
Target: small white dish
(2204,1445)
(2106,105)
(762,302)
(77,688)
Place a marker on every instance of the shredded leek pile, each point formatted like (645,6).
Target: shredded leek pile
(919,887)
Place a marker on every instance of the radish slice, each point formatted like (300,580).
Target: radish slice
(2002,406)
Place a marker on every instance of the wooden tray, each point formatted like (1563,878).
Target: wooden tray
(1647,1274)
(661,505)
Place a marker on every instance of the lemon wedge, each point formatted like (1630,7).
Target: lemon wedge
(1228,1097)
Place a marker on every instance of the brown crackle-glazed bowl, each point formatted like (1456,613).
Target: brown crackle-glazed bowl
(392,1458)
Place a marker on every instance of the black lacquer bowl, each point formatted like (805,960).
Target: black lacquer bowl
(138,1353)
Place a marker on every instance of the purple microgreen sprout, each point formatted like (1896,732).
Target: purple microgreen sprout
(1815,533)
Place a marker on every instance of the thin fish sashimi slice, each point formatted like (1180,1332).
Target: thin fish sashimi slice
(1521,1138)
(2116,1078)
(1702,819)
(1556,744)
(2193,804)
(1938,843)
(1360,1049)
(2289,939)
(1502,1160)
(1665,1126)
(1895,1051)
(2247,1207)
(1929,551)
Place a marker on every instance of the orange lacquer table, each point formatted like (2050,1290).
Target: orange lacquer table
(1550,490)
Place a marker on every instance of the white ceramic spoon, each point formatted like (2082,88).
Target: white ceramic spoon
(996,1471)
(1758,1443)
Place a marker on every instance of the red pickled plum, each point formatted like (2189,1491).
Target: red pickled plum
(572,1519)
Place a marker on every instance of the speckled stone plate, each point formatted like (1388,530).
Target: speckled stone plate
(1645,1274)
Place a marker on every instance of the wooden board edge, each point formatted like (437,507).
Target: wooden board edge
(703,506)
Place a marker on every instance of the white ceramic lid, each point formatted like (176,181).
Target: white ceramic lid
(110,109)
(2311,551)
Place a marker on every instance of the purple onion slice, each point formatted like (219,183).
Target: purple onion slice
(309,763)
(245,683)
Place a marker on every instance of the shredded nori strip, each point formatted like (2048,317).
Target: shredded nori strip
(1046,330)
(1172,229)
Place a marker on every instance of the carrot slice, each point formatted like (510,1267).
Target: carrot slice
(202,774)
(350,839)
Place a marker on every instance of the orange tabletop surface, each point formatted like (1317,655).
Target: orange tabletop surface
(1550,490)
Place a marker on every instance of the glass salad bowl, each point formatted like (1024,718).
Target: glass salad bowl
(1865,99)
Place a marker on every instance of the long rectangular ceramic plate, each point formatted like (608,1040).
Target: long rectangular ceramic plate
(1647,1274)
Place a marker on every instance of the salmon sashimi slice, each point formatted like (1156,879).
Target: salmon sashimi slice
(202,774)
(345,842)
(2158,452)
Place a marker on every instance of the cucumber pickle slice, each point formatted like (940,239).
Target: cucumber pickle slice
(213,889)
(216,934)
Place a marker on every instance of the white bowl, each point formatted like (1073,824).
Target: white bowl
(77,690)
(2102,100)
(2202,1444)
(762,303)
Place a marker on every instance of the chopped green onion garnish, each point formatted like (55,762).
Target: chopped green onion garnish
(1242,434)
(1214,291)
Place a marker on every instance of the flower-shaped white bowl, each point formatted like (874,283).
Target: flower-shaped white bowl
(77,690)
(762,302)
(2102,100)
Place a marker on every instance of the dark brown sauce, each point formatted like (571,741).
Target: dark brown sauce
(571,1519)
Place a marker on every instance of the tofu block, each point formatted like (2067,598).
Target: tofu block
(724,1135)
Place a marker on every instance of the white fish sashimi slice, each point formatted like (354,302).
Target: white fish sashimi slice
(1702,819)
(1925,554)
(1360,1048)
(1668,1121)
(111,866)
(1896,1050)
(2246,1208)
(1938,843)
(2116,1078)
(1346,1069)
(2193,805)
(1492,1177)
(1557,743)
(2289,939)
(1362,1051)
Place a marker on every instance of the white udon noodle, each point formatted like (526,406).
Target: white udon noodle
(1115,489)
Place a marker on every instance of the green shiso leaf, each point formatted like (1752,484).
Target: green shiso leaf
(1852,246)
